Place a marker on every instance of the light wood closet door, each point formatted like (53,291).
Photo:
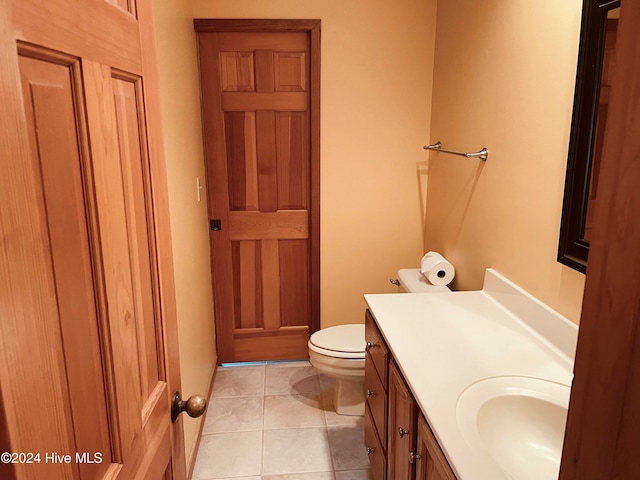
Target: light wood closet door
(257,107)
(87,365)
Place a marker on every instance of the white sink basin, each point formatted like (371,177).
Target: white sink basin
(518,421)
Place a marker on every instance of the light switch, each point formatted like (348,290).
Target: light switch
(199,188)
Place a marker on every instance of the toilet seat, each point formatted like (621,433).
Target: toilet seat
(341,341)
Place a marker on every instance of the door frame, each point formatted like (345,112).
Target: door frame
(224,331)
(160,220)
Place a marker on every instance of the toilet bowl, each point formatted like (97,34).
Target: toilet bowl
(339,351)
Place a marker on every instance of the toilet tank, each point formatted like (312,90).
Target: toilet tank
(412,281)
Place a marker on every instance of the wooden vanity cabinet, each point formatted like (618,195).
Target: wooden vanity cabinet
(376,368)
(399,441)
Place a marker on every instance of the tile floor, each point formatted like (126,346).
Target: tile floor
(277,422)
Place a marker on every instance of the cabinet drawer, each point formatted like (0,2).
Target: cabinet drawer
(376,348)
(377,455)
(376,399)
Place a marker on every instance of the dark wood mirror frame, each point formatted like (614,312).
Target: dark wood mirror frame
(573,249)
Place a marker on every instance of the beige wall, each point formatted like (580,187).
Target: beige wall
(503,78)
(189,226)
(377,59)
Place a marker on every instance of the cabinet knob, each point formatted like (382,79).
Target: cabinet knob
(369,345)
(413,456)
(369,393)
(402,431)
(369,450)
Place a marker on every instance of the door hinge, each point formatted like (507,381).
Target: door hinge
(215,224)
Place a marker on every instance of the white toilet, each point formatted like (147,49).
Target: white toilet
(338,352)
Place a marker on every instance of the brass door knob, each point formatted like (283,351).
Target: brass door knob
(195,406)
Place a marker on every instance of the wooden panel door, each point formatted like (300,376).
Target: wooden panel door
(401,429)
(88,354)
(259,97)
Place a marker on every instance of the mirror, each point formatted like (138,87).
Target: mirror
(595,64)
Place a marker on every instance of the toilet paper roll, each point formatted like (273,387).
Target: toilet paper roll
(436,269)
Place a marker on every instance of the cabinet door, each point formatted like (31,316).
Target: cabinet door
(402,422)
(431,464)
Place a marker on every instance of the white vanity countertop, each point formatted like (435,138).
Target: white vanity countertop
(445,342)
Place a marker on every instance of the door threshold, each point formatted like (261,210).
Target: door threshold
(266,362)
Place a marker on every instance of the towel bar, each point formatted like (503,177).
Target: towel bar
(482,154)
